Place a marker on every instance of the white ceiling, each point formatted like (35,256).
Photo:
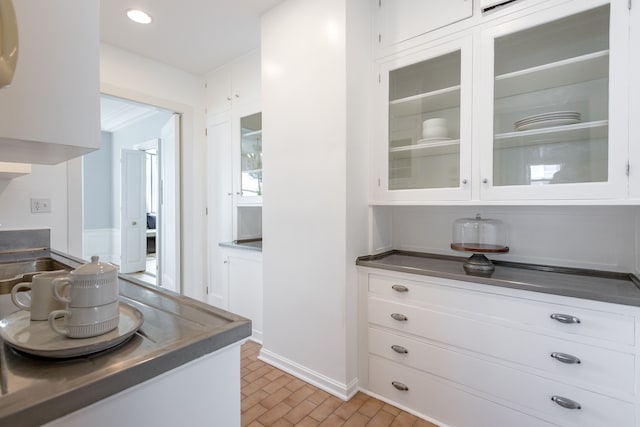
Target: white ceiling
(194,35)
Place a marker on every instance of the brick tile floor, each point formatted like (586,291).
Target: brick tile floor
(271,397)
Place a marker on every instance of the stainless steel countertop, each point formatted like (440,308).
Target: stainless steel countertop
(175,331)
(249,245)
(619,288)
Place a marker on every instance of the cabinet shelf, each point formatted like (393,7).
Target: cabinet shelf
(252,171)
(426,149)
(553,135)
(252,134)
(441,99)
(555,74)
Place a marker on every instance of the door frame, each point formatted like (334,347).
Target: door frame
(74,174)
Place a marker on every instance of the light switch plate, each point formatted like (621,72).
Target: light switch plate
(40,205)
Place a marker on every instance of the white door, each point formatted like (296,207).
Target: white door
(132,211)
(219,204)
(168,244)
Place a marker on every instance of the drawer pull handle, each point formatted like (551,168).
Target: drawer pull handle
(399,349)
(399,386)
(566,403)
(565,358)
(399,317)
(565,318)
(400,288)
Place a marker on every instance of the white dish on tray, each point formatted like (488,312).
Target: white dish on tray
(37,338)
(550,115)
(547,123)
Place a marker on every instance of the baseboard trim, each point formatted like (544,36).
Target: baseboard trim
(331,386)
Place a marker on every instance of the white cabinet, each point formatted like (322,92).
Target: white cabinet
(498,352)
(51,111)
(234,179)
(424,142)
(9,171)
(205,391)
(233,84)
(556,124)
(401,20)
(535,106)
(243,271)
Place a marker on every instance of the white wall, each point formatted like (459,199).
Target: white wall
(309,308)
(43,182)
(596,237)
(98,186)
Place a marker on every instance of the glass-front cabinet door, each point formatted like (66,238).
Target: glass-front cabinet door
(552,112)
(424,126)
(250,159)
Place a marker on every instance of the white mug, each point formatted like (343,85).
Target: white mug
(85,322)
(42,299)
(79,292)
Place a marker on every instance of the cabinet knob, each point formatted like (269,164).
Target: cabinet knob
(399,317)
(565,358)
(566,403)
(485,181)
(237,96)
(399,349)
(238,193)
(464,181)
(400,288)
(565,318)
(400,386)
(229,194)
(228,98)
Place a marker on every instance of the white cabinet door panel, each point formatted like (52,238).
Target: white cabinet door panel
(400,20)
(599,367)
(506,383)
(516,311)
(441,401)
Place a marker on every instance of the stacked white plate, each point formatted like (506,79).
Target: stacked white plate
(555,118)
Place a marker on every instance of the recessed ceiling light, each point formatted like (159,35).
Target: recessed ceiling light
(139,16)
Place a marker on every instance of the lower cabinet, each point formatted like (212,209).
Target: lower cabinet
(467,354)
(242,273)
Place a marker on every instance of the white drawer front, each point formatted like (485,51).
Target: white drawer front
(442,401)
(599,367)
(510,384)
(596,324)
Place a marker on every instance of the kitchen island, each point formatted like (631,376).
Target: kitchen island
(183,365)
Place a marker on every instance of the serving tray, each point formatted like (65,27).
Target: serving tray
(37,338)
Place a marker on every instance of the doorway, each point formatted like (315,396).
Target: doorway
(130,192)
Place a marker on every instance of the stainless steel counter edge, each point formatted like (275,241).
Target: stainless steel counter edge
(48,405)
(242,246)
(631,298)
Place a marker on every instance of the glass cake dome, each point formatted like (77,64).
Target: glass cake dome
(480,236)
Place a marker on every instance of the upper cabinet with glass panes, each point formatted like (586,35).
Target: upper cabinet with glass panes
(425,122)
(250,158)
(530,106)
(552,125)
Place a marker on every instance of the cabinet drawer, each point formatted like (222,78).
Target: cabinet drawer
(442,401)
(519,311)
(506,383)
(598,366)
